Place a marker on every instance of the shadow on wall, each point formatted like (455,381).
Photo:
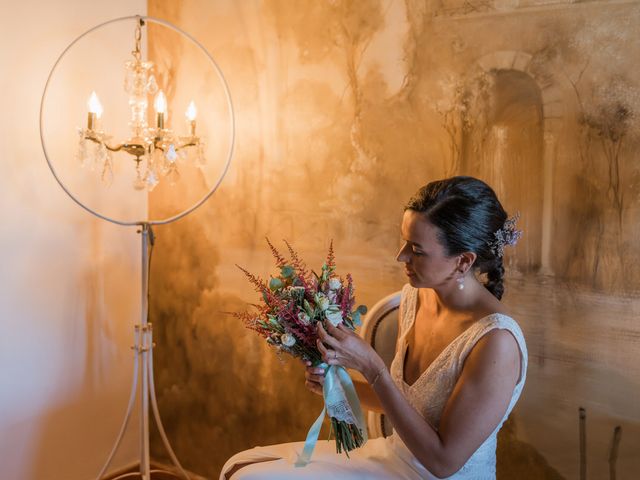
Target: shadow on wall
(220,388)
(519,460)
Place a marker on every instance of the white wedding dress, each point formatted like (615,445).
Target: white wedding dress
(389,458)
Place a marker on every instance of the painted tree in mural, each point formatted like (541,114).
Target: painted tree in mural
(462,102)
(450,108)
(592,60)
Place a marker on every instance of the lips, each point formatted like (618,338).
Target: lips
(409,273)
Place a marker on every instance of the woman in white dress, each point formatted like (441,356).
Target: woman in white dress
(460,361)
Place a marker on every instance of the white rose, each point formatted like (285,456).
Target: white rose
(304,318)
(288,340)
(334,317)
(322,301)
(334,284)
(332,296)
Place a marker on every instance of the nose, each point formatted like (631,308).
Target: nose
(402,255)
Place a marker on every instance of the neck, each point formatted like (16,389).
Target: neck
(450,300)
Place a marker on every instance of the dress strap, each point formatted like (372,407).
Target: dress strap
(408,301)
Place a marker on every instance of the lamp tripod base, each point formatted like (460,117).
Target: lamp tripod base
(143,354)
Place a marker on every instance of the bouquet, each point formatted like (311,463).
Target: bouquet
(293,302)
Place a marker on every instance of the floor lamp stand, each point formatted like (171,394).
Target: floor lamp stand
(143,356)
(143,339)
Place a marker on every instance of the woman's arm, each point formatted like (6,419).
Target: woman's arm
(474,409)
(368,396)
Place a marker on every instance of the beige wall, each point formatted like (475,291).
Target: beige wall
(344,109)
(69,288)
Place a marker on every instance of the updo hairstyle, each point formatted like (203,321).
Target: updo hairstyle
(467,214)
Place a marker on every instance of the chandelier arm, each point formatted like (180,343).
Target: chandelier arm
(135,149)
(185,145)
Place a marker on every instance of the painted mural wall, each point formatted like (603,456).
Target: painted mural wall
(343,110)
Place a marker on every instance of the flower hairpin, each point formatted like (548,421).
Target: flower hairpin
(507,235)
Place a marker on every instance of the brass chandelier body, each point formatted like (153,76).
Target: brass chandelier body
(155,149)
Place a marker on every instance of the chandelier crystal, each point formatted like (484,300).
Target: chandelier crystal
(155,148)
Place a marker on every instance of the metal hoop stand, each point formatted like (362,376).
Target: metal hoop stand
(143,332)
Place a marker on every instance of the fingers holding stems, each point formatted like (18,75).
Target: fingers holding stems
(326,335)
(314,378)
(329,344)
(340,332)
(331,356)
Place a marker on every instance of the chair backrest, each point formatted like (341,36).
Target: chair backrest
(380,329)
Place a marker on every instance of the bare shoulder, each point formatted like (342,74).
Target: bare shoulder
(496,353)
(498,341)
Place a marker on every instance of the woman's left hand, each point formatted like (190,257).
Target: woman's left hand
(341,346)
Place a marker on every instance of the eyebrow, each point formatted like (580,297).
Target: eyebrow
(414,243)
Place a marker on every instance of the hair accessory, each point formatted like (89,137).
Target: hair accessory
(507,235)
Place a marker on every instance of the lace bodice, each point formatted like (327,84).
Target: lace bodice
(430,392)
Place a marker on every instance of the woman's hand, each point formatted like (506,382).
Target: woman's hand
(314,378)
(341,346)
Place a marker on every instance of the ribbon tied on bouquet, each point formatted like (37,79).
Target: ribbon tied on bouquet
(341,402)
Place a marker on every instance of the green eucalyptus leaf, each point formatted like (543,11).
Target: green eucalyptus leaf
(287,271)
(275,284)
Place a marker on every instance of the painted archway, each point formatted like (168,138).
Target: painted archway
(517,153)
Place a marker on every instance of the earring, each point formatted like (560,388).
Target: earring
(460,281)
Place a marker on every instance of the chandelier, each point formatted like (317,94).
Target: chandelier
(154,147)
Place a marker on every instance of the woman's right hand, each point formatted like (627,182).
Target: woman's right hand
(314,378)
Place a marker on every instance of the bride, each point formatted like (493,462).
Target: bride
(460,361)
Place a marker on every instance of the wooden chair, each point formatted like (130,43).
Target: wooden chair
(380,329)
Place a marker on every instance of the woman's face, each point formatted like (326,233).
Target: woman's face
(423,256)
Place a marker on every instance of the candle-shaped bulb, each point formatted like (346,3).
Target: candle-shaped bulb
(160,102)
(192,111)
(94,105)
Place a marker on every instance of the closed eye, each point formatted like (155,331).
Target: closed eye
(414,247)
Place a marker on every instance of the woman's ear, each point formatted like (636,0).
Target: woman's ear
(465,261)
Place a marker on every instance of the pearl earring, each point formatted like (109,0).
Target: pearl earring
(460,281)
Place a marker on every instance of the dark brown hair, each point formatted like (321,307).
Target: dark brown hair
(467,214)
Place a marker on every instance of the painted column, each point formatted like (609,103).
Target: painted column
(549,155)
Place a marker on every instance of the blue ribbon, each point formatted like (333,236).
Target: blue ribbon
(337,383)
